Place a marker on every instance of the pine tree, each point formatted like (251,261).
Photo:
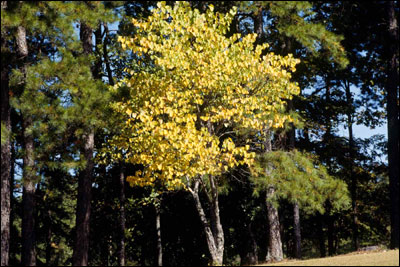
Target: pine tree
(5,146)
(392,88)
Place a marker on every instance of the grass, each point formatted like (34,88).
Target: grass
(375,258)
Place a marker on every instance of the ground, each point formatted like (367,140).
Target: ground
(361,258)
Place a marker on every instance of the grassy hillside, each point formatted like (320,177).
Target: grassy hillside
(380,258)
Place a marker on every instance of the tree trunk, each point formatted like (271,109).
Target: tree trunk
(274,252)
(249,257)
(214,233)
(158,229)
(28,196)
(297,230)
(331,236)
(121,246)
(81,248)
(259,26)
(392,88)
(5,156)
(353,178)
(321,237)
(106,58)
(48,240)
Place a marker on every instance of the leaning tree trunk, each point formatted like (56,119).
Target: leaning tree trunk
(81,248)
(392,88)
(214,233)
(5,156)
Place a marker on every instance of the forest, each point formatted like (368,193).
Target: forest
(197,133)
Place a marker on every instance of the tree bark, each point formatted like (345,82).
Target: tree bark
(392,88)
(297,230)
(122,220)
(259,26)
(106,58)
(214,233)
(321,235)
(28,196)
(249,257)
(331,235)
(5,156)
(274,252)
(48,239)
(158,229)
(81,248)
(353,178)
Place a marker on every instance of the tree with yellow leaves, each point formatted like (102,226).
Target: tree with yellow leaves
(202,87)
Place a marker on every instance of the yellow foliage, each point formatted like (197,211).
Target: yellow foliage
(203,83)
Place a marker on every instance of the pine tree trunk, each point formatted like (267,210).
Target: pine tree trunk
(83,209)
(28,196)
(214,233)
(331,236)
(106,58)
(259,25)
(249,257)
(297,230)
(5,157)
(321,235)
(353,178)
(81,249)
(121,246)
(48,240)
(158,229)
(274,252)
(392,88)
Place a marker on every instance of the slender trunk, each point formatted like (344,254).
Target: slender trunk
(158,229)
(215,240)
(275,252)
(321,235)
(28,195)
(81,248)
(12,201)
(331,236)
(5,156)
(259,25)
(48,240)
(353,178)
(297,231)
(121,246)
(392,88)
(96,68)
(106,59)
(249,257)
(330,223)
